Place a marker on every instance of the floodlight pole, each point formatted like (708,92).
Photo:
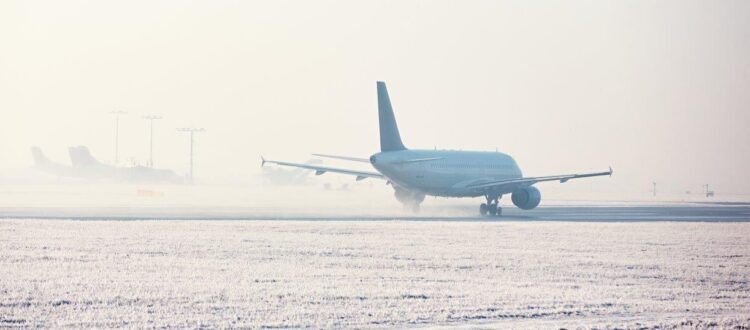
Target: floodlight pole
(151,119)
(117,133)
(191,130)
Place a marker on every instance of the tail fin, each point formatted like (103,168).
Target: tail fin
(39,158)
(390,139)
(81,157)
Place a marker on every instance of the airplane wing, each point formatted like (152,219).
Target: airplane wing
(361,175)
(522,182)
(353,159)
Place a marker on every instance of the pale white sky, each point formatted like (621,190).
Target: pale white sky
(657,89)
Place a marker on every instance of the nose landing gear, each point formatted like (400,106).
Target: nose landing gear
(492,207)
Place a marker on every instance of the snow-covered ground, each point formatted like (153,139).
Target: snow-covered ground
(60,273)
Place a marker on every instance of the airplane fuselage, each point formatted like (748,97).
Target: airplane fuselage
(444,173)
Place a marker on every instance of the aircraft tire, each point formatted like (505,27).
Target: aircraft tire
(483,209)
(492,209)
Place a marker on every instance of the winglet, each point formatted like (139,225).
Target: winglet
(262,161)
(610,171)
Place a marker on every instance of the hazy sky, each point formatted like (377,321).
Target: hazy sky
(660,90)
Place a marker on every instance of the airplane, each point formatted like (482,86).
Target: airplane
(85,166)
(82,159)
(414,174)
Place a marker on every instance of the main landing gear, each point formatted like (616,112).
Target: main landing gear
(492,207)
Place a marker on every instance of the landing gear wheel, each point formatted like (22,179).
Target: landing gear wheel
(493,209)
(483,209)
(499,211)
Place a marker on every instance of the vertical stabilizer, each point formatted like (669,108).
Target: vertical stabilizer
(39,158)
(390,139)
(81,157)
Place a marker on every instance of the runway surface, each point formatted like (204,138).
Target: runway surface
(679,212)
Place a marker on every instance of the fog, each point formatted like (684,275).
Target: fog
(656,89)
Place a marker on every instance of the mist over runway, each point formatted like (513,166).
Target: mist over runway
(600,213)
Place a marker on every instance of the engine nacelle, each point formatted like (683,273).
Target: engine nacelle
(526,198)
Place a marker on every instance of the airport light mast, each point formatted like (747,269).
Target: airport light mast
(117,133)
(151,119)
(709,193)
(191,130)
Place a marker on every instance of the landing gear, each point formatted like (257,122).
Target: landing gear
(492,207)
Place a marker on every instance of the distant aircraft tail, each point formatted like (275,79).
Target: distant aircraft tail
(39,158)
(390,139)
(81,157)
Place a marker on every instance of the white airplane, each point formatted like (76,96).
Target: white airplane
(85,166)
(415,174)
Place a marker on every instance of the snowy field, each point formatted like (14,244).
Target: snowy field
(333,274)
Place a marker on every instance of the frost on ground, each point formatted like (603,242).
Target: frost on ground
(373,273)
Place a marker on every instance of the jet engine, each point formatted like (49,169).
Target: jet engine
(526,198)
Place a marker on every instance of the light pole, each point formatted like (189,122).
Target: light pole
(117,133)
(151,119)
(191,130)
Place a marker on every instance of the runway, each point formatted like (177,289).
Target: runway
(597,213)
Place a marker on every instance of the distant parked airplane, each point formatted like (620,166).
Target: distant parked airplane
(86,166)
(417,173)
